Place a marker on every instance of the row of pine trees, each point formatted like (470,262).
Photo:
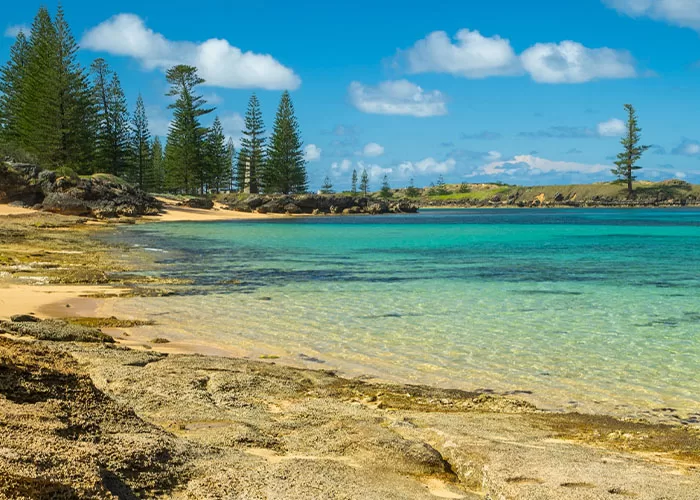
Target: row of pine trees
(63,115)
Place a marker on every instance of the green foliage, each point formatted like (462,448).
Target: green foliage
(11,84)
(113,139)
(439,188)
(47,108)
(385,191)
(632,150)
(285,167)
(364,183)
(142,171)
(251,160)
(412,191)
(353,183)
(185,150)
(464,188)
(68,173)
(157,179)
(218,158)
(327,187)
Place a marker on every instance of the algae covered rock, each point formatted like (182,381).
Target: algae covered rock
(55,330)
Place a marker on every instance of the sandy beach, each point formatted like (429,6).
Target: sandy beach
(222,426)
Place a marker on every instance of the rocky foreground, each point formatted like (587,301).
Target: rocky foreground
(94,420)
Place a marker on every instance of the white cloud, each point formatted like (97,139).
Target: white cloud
(571,62)
(536,165)
(218,62)
(312,152)
(426,166)
(680,175)
(685,13)
(213,98)
(374,171)
(233,124)
(398,97)
(372,149)
(342,167)
(158,122)
(16,29)
(687,147)
(472,55)
(493,156)
(611,128)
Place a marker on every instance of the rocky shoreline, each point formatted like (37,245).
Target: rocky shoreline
(81,416)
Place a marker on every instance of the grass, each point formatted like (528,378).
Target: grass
(475,194)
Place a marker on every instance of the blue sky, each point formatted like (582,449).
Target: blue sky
(511,91)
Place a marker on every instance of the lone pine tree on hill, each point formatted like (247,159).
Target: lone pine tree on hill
(632,151)
(385,191)
(285,167)
(364,183)
(353,183)
(327,186)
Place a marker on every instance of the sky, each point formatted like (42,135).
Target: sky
(506,90)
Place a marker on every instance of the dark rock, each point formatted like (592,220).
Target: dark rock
(558,197)
(204,203)
(24,318)
(291,208)
(97,196)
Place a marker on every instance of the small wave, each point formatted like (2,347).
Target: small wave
(155,250)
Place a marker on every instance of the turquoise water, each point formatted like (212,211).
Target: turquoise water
(594,310)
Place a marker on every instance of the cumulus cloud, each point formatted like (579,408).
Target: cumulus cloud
(16,29)
(611,128)
(484,135)
(528,164)
(312,152)
(404,170)
(561,132)
(218,62)
(397,97)
(687,147)
(471,55)
(233,125)
(685,13)
(426,166)
(372,149)
(571,62)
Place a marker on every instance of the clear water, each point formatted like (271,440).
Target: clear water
(595,310)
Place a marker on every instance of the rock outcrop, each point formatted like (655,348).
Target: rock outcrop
(314,204)
(100,196)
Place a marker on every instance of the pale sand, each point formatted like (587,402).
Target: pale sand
(49,301)
(172,213)
(8,210)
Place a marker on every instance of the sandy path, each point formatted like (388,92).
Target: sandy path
(9,210)
(172,213)
(42,300)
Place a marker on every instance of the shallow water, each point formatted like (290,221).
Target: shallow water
(595,310)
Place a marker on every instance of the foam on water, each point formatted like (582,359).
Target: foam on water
(589,309)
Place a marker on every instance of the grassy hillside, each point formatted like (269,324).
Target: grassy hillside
(666,193)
